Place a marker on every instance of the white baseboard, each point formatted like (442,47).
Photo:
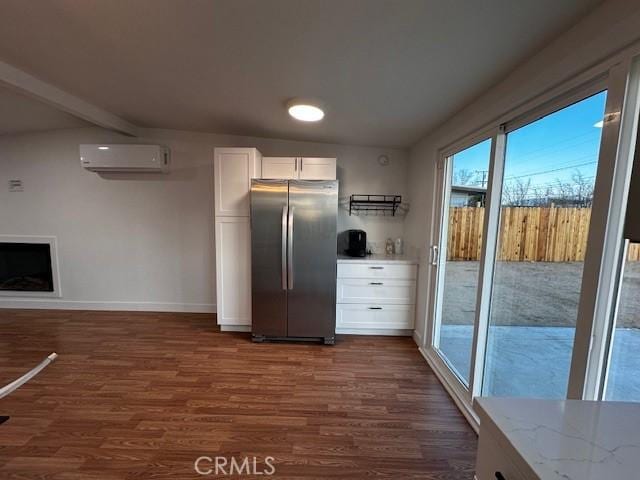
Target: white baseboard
(235,328)
(343,331)
(463,406)
(417,338)
(52,304)
(396,332)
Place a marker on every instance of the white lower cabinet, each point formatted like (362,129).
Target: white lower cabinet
(375,317)
(375,298)
(233,271)
(377,271)
(492,462)
(379,291)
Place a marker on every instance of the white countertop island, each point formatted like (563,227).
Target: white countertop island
(561,440)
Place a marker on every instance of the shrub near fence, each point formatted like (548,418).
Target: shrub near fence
(527,234)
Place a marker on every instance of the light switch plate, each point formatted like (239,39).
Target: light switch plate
(16,186)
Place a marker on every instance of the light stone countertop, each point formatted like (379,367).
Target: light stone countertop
(378,258)
(566,439)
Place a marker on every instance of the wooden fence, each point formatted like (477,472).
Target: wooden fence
(527,234)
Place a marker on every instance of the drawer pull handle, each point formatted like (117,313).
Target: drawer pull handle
(375,308)
(376,283)
(376,268)
(499,476)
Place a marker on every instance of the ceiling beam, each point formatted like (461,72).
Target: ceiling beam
(31,86)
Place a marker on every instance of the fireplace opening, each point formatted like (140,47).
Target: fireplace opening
(25,267)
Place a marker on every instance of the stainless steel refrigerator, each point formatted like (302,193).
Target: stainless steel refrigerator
(293,259)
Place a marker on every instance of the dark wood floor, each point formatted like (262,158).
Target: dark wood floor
(141,396)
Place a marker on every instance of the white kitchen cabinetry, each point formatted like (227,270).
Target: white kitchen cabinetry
(317,168)
(233,271)
(376,290)
(233,170)
(376,296)
(492,458)
(280,168)
(374,319)
(371,269)
(299,168)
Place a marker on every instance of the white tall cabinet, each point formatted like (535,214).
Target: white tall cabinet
(233,170)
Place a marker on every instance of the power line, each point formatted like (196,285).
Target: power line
(534,174)
(531,153)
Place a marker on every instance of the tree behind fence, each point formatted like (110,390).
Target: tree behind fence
(527,234)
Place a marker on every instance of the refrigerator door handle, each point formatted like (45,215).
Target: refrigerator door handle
(290,248)
(285,212)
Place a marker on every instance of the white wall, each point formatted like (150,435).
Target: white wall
(605,32)
(146,241)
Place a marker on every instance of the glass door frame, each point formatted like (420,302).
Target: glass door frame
(621,79)
(593,255)
(438,257)
(592,356)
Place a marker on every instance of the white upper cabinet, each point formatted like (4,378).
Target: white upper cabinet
(317,168)
(280,167)
(233,170)
(299,168)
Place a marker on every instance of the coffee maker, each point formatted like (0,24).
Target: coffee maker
(356,243)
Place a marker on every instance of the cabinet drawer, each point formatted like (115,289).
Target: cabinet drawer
(358,290)
(373,270)
(492,459)
(353,315)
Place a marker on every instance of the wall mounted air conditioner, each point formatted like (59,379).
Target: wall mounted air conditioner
(124,158)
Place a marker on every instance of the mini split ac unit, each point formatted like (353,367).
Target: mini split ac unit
(124,158)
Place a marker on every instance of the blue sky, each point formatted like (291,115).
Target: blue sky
(550,149)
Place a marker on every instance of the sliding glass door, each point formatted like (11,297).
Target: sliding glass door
(533,293)
(463,216)
(530,298)
(545,208)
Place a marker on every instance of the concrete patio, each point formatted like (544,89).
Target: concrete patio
(532,328)
(534,361)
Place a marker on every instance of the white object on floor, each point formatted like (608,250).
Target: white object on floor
(13,386)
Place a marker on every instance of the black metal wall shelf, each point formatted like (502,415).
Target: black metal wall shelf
(385,204)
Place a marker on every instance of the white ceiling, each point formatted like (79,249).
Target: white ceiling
(21,114)
(388,71)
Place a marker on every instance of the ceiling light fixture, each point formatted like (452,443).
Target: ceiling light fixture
(103,148)
(305,110)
